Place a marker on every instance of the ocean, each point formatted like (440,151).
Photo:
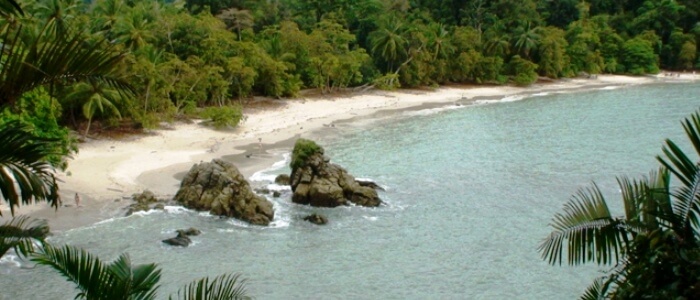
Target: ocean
(470,191)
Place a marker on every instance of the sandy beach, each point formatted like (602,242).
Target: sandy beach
(105,173)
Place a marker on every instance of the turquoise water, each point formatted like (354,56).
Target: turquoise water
(470,191)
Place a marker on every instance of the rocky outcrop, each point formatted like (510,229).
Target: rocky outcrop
(318,182)
(218,187)
(183,237)
(144,202)
(316,219)
(282,179)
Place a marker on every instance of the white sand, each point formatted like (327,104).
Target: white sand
(105,170)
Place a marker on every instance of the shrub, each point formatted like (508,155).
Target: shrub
(223,116)
(303,148)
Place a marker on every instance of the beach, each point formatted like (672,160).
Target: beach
(105,173)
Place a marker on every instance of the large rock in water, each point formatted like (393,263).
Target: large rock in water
(220,188)
(317,182)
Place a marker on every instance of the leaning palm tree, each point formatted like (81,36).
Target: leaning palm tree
(653,247)
(96,98)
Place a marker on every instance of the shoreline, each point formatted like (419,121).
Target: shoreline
(107,172)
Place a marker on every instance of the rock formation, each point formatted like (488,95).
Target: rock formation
(144,202)
(316,219)
(317,182)
(218,187)
(282,179)
(183,237)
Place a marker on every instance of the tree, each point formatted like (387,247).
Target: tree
(25,176)
(639,57)
(236,19)
(389,42)
(95,98)
(654,246)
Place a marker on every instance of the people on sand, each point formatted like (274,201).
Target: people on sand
(77,200)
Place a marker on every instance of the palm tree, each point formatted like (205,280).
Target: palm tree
(654,246)
(526,40)
(389,42)
(96,97)
(134,30)
(57,14)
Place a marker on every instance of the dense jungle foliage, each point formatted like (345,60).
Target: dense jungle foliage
(181,56)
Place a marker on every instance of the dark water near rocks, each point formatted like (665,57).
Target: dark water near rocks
(470,192)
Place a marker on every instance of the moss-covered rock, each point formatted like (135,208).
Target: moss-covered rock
(317,182)
(218,187)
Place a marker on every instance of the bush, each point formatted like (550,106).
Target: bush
(303,148)
(41,112)
(223,116)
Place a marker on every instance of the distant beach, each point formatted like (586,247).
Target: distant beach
(105,173)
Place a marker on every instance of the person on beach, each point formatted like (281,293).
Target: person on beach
(260,144)
(77,200)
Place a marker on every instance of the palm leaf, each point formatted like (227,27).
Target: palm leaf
(598,290)
(78,266)
(587,230)
(97,280)
(20,232)
(687,196)
(10,7)
(53,62)
(140,282)
(25,176)
(227,286)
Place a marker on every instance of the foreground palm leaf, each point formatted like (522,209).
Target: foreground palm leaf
(656,242)
(122,280)
(25,176)
(588,231)
(54,62)
(97,280)
(10,7)
(20,233)
(226,286)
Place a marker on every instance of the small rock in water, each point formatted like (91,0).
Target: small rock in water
(282,179)
(276,194)
(316,219)
(183,237)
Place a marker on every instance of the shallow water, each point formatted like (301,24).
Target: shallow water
(470,192)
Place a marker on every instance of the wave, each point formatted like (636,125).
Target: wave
(10,260)
(266,176)
(511,98)
(432,111)
(610,87)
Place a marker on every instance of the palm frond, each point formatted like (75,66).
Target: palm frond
(25,176)
(598,290)
(588,231)
(10,7)
(56,61)
(141,281)
(687,196)
(97,280)
(227,286)
(87,271)
(20,232)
